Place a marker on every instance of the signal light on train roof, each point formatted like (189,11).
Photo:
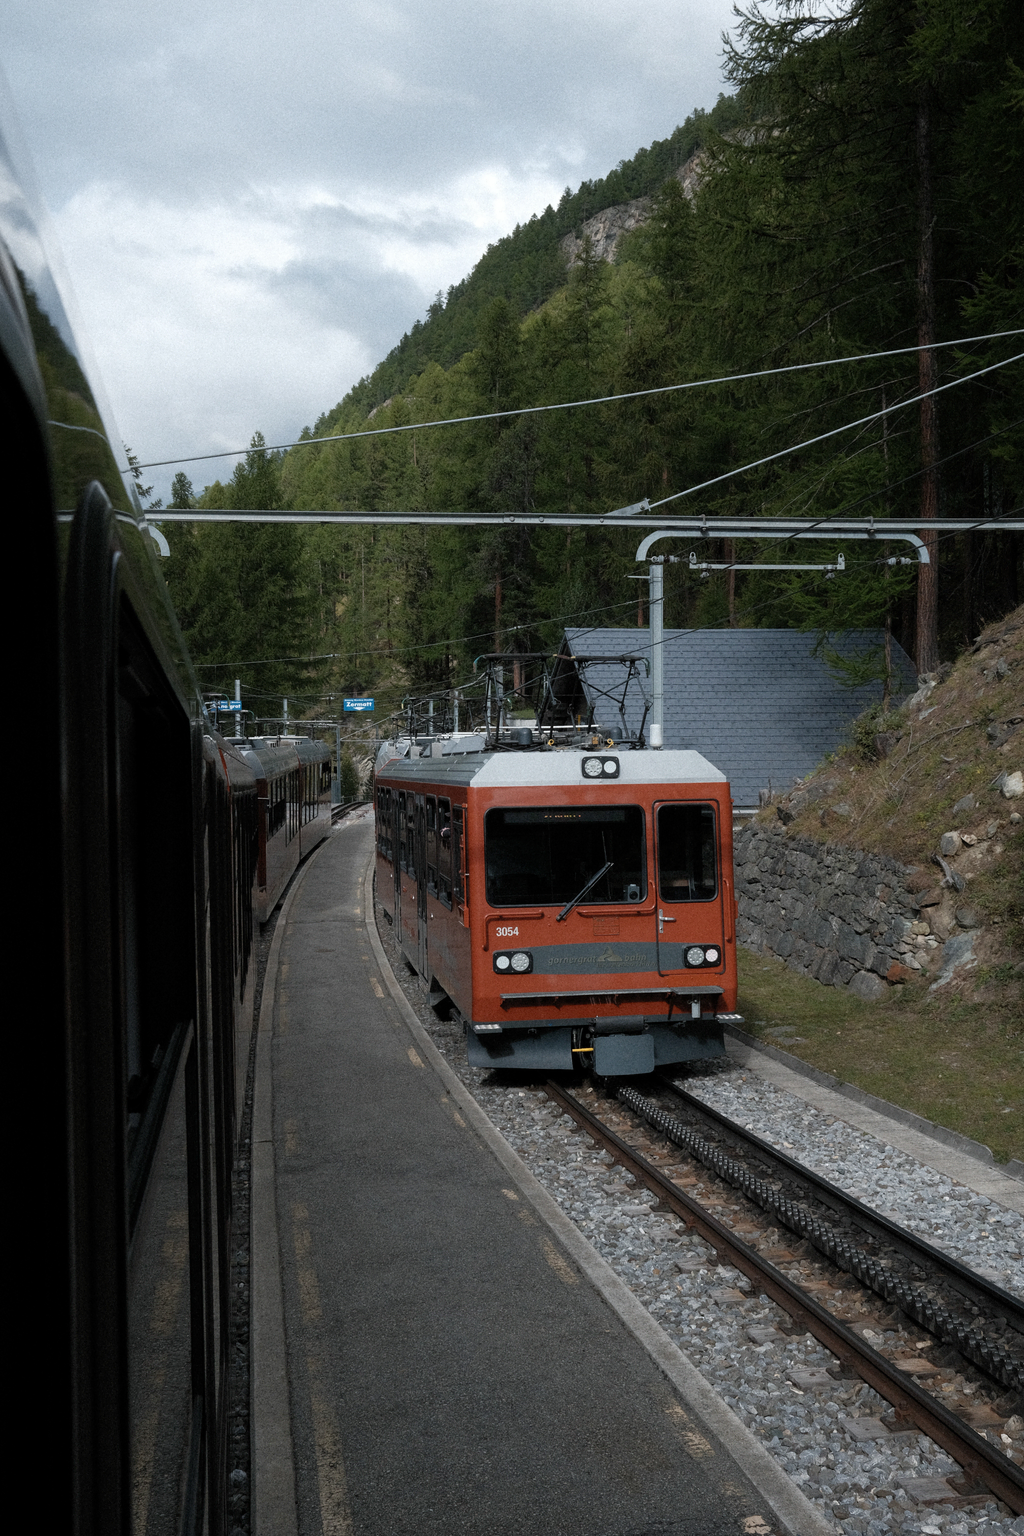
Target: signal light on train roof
(600,767)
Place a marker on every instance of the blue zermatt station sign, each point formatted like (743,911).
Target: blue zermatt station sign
(356,705)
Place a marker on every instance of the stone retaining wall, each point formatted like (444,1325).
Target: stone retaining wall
(833,913)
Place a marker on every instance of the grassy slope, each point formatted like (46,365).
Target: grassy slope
(955,1055)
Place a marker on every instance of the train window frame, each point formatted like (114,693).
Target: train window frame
(705,808)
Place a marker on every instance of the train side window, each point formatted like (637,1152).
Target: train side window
(459,880)
(431,842)
(276,805)
(404,832)
(383,823)
(158,956)
(294,784)
(444,851)
(687,863)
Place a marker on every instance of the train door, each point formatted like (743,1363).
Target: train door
(688,892)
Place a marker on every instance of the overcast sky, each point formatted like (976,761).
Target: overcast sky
(255,201)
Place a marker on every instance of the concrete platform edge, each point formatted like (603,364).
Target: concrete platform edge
(906,1117)
(274,1507)
(796,1513)
(949,1152)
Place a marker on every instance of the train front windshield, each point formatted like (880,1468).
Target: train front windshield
(549,854)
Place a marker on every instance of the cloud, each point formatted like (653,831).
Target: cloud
(212,319)
(256,201)
(199,339)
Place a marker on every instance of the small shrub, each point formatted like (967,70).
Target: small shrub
(874,721)
(348,779)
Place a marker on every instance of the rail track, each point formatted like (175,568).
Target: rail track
(984,1322)
(850,1236)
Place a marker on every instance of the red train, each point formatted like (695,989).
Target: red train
(574,905)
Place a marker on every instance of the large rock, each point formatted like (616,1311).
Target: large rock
(868,986)
(957,954)
(1012,786)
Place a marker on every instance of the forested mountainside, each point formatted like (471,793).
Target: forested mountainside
(860,192)
(528,266)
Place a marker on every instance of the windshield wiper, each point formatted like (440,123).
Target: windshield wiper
(580,895)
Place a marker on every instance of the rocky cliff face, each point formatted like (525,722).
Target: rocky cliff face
(606,228)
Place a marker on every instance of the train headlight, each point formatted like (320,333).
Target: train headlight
(513,962)
(702,954)
(600,767)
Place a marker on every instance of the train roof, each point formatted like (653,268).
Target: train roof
(539,769)
(268,758)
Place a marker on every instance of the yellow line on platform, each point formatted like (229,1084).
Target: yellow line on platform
(335,1514)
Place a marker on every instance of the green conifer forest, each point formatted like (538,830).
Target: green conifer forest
(859,191)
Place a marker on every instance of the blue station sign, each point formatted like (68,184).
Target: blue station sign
(229,704)
(357,705)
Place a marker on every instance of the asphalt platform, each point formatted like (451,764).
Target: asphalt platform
(436,1349)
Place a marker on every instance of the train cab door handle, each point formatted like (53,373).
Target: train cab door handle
(662,920)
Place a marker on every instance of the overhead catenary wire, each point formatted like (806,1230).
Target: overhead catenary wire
(678,635)
(566,405)
(266,661)
(915,474)
(424,645)
(439,519)
(834,432)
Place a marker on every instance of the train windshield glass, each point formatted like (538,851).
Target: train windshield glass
(548,853)
(687,868)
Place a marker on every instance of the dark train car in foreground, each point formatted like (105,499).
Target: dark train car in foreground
(135,916)
(575,906)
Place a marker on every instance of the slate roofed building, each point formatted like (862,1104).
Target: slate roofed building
(758,703)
